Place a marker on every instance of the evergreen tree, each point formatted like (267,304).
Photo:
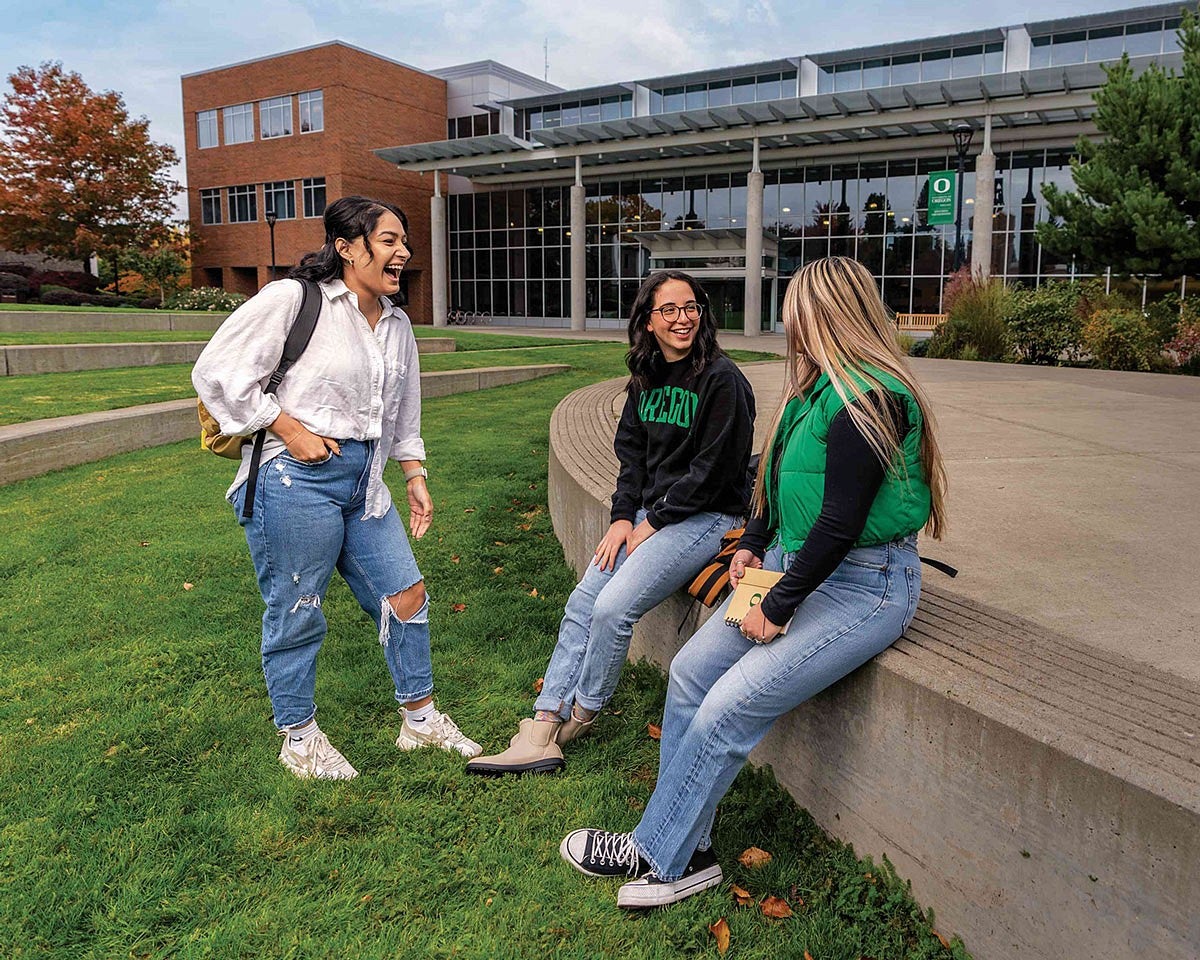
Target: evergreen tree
(1137,205)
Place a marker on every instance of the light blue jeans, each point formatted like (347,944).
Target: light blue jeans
(308,520)
(725,692)
(597,623)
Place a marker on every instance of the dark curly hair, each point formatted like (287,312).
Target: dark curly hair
(645,359)
(348,219)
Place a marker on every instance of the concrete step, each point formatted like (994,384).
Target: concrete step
(50,321)
(39,446)
(71,357)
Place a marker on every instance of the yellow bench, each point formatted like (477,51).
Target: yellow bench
(919,321)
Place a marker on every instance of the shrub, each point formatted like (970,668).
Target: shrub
(14,285)
(961,281)
(1122,340)
(1044,323)
(920,348)
(150,303)
(1183,351)
(1170,315)
(71,280)
(61,297)
(20,269)
(975,321)
(205,298)
(905,342)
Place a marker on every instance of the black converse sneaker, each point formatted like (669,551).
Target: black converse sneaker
(599,853)
(702,872)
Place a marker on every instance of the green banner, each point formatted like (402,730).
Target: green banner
(941,197)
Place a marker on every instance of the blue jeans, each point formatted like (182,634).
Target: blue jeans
(597,623)
(308,519)
(725,692)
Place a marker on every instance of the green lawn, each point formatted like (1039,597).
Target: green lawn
(9,339)
(465,340)
(64,394)
(142,809)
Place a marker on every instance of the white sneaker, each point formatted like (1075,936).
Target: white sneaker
(315,757)
(438,731)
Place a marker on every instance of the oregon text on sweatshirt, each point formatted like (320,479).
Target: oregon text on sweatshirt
(684,444)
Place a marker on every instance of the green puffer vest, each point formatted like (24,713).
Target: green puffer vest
(903,503)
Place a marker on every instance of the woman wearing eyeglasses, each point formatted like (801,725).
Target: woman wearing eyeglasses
(683,443)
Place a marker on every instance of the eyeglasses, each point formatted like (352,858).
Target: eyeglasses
(692,310)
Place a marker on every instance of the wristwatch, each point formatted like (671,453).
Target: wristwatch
(414,473)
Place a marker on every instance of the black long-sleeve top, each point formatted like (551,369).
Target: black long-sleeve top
(684,444)
(853,476)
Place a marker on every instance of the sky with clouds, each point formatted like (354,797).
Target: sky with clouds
(142,48)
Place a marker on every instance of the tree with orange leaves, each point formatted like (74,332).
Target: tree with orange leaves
(77,175)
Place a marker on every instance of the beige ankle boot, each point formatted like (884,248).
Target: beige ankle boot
(574,728)
(532,750)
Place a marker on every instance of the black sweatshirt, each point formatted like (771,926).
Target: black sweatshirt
(684,443)
(853,476)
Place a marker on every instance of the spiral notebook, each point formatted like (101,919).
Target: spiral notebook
(749,593)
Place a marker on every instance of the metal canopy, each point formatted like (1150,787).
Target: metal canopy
(1032,98)
(701,242)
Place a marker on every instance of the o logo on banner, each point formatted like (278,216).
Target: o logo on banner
(941,185)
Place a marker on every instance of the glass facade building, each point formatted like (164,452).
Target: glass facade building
(845,143)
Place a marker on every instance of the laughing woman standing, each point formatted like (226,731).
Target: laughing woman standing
(351,402)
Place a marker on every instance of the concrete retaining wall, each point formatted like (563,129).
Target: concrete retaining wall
(31,449)
(1041,795)
(70,357)
(48,321)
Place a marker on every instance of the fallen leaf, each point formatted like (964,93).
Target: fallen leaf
(458,607)
(497,570)
(538,683)
(524,526)
(30,721)
(533,592)
(741,897)
(807,955)
(488,902)
(754,857)
(720,930)
(654,730)
(112,751)
(455,558)
(776,907)
(532,486)
(188,586)
(366,898)
(944,942)
(145,543)
(469,510)
(500,543)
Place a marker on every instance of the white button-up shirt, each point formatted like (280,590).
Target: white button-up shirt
(351,382)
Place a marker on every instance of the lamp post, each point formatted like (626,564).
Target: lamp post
(963,132)
(271,218)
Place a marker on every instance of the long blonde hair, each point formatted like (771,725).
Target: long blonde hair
(835,322)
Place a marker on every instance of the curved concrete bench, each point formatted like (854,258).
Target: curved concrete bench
(71,357)
(39,446)
(1043,796)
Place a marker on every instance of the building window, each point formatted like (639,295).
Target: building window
(314,196)
(210,206)
(243,204)
(312,111)
(206,128)
(239,123)
(275,117)
(280,196)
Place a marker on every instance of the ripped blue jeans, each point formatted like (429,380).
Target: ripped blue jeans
(308,520)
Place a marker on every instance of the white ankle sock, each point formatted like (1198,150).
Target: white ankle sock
(420,714)
(303,732)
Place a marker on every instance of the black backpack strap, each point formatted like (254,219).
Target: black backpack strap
(940,565)
(295,345)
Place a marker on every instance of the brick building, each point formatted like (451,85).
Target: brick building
(292,132)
